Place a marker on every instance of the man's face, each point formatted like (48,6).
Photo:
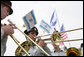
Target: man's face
(4,11)
(32,35)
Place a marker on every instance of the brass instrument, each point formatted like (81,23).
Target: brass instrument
(24,47)
(30,40)
(62,32)
(20,52)
(27,45)
(61,41)
(56,39)
(73,52)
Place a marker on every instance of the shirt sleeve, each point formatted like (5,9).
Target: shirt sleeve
(38,52)
(2,33)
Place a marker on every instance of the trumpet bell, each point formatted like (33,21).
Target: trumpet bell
(73,52)
(26,45)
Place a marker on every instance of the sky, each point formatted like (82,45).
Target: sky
(69,13)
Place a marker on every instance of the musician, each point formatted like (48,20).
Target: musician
(65,48)
(34,50)
(6,10)
(57,51)
(81,48)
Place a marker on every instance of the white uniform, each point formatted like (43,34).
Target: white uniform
(82,50)
(59,53)
(3,43)
(35,51)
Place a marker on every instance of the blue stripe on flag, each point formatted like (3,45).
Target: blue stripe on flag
(27,22)
(46,23)
(62,28)
(33,17)
(44,28)
(53,23)
(52,17)
(55,29)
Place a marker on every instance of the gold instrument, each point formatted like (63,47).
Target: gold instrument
(56,39)
(30,40)
(27,44)
(24,47)
(73,52)
(61,41)
(62,32)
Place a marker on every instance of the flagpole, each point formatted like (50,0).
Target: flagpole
(59,28)
(58,23)
(68,41)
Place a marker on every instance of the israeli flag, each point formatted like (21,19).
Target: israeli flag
(53,20)
(63,35)
(62,28)
(45,26)
(30,20)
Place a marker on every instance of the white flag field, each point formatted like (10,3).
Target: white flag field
(30,20)
(45,26)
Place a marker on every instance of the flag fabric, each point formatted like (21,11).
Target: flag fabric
(63,35)
(55,24)
(45,26)
(30,20)
(53,20)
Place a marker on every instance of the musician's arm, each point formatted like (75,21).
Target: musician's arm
(38,52)
(2,33)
